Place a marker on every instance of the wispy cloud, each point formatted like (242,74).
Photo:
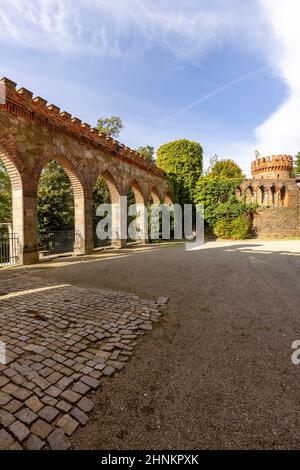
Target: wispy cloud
(215,92)
(187,29)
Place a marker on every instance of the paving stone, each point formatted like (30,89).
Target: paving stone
(80,387)
(13,406)
(108,371)
(4,398)
(79,415)
(34,403)
(63,406)
(6,418)
(5,440)
(53,391)
(48,413)
(19,430)
(21,394)
(58,440)
(3,381)
(15,446)
(93,383)
(70,396)
(85,404)
(41,429)
(162,300)
(34,443)
(26,416)
(68,424)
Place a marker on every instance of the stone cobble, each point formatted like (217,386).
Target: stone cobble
(61,342)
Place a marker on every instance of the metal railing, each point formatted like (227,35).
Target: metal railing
(57,242)
(9,243)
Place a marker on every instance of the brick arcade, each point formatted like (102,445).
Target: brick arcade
(32,133)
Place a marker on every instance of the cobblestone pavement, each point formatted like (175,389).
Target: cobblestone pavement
(61,342)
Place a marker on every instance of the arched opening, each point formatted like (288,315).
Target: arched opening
(261,196)
(11,212)
(273,196)
(249,194)
(137,218)
(106,191)
(168,199)
(283,196)
(61,210)
(103,192)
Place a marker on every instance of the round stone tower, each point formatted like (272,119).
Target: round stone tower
(276,167)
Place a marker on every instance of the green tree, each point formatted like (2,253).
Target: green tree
(55,199)
(5,196)
(225,215)
(226,168)
(147,152)
(110,126)
(296,164)
(182,161)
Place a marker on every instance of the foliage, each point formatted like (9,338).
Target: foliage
(237,229)
(297,164)
(111,126)
(55,199)
(182,160)
(147,152)
(226,168)
(5,196)
(213,191)
(225,215)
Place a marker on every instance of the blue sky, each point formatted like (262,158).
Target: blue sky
(224,73)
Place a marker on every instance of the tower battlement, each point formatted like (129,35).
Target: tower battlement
(275,167)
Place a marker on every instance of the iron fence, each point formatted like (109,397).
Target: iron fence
(57,242)
(9,243)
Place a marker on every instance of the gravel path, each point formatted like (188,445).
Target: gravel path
(216,372)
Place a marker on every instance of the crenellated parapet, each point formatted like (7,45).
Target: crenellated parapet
(275,167)
(37,110)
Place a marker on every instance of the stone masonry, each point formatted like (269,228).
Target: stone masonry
(277,195)
(61,343)
(32,133)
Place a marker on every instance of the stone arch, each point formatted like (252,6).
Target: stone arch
(112,185)
(81,192)
(168,199)
(283,196)
(17,197)
(261,194)
(139,192)
(249,194)
(155,195)
(273,195)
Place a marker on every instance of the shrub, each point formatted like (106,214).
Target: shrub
(237,229)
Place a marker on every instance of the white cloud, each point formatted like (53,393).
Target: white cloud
(187,29)
(280,133)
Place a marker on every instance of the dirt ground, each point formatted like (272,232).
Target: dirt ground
(216,372)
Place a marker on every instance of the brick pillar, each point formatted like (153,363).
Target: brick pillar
(142,223)
(119,222)
(84,243)
(25,225)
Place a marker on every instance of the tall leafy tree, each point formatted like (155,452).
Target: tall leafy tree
(55,199)
(182,160)
(226,168)
(110,126)
(5,196)
(147,152)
